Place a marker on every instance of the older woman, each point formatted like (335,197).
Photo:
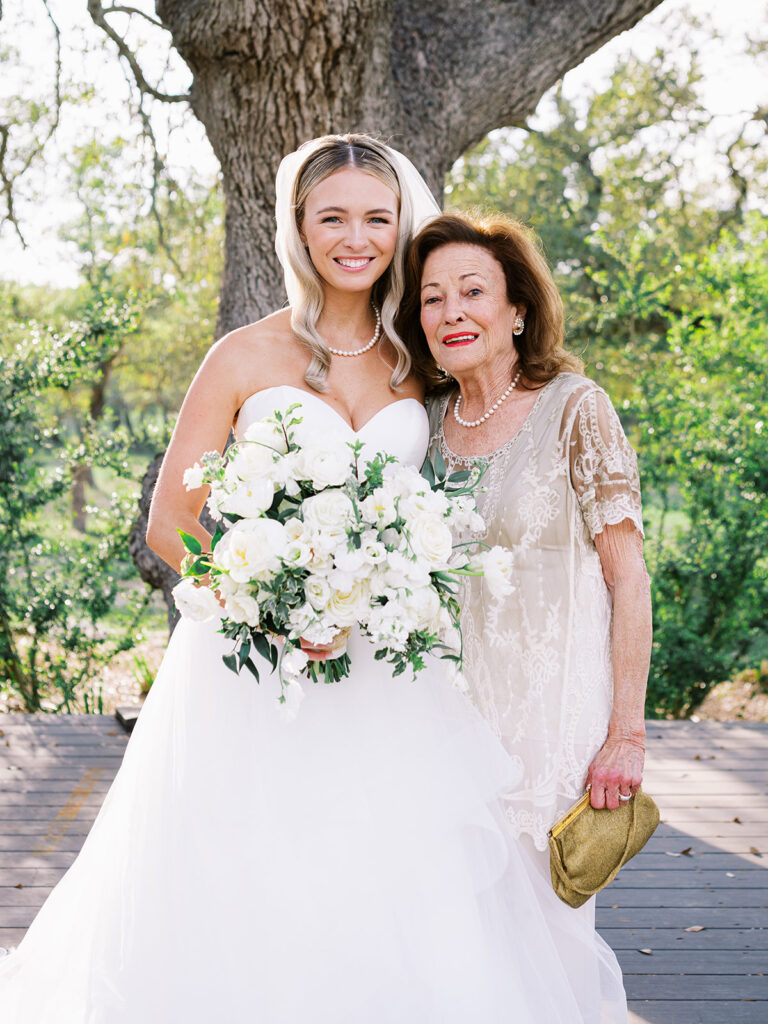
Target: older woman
(559,670)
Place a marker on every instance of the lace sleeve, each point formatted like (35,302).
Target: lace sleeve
(603,465)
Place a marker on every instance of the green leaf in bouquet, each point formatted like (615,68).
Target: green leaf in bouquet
(380,655)
(460,476)
(190,543)
(439,466)
(243,652)
(230,660)
(218,534)
(199,567)
(428,472)
(252,669)
(263,646)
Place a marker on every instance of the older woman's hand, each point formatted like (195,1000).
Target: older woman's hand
(617,769)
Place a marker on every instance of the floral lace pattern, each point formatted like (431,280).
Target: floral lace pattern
(538,663)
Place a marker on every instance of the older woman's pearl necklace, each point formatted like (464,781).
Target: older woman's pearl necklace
(371,343)
(491,411)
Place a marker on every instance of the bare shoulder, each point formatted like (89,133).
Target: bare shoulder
(256,355)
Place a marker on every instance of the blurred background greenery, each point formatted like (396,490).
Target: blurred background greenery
(658,237)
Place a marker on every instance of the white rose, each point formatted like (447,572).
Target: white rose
(194,602)
(324,465)
(346,607)
(328,512)
(264,433)
(243,608)
(497,570)
(251,549)
(248,462)
(193,477)
(431,539)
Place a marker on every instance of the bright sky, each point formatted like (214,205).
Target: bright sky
(732,85)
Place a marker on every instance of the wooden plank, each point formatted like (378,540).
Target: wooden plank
(676,917)
(697,1012)
(677,938)
(692,961)
(684,899)
(639,877)
(712,986)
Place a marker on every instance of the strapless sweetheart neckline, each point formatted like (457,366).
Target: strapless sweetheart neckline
(335,412)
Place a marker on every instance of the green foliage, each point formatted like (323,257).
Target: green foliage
(56,588)
(703,421)
(661,259)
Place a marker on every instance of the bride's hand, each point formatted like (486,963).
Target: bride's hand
(315,652)
(617,769)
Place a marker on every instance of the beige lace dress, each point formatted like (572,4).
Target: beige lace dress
(538,664)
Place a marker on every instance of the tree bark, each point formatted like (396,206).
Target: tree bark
(431,78)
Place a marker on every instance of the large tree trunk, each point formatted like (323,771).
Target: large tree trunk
(431,78)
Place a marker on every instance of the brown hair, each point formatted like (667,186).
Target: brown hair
(540,348)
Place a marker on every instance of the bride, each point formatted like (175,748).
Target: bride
(352,866)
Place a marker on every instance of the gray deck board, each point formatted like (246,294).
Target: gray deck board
(705,867)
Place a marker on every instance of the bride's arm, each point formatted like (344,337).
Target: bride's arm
(203,425)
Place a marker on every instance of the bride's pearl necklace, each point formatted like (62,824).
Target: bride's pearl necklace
(491,411)
(365,348)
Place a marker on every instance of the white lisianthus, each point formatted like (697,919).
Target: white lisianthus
(353,562)
(373,551)
(243,607)
(251,549)
(249,499)
(380,508)
(195,603)
(324,465)
(386,626)
(497,564)
(400,571)
(405,480)
(293,662)
(305,622)
(424,606)
(265,433)
(347,606)
(216,498)
(431,539)
(427,501)
(317,591)
(193,477)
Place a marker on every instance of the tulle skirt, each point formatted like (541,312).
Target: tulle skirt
(350,867)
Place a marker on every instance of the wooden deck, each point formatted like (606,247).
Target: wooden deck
(687,917)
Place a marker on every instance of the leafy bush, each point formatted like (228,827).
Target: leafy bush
(58,586)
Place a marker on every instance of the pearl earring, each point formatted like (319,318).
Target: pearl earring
(519,325)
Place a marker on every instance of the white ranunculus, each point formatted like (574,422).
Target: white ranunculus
(193,477)
(196,603)
(248,462)
(346,607)
(317,591)
(243,607)
(431,539)
(269,434)
(497,564)
(251,549)
(324,465)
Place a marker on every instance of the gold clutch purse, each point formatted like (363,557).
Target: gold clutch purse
(588,847)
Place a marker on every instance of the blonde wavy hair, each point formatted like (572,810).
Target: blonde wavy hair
(334,153)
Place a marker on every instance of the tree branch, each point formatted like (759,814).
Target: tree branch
(115,9)
(98,13)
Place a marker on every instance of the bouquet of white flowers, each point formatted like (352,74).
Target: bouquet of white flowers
(311,541)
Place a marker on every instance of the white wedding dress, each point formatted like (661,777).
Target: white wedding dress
(353,866)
